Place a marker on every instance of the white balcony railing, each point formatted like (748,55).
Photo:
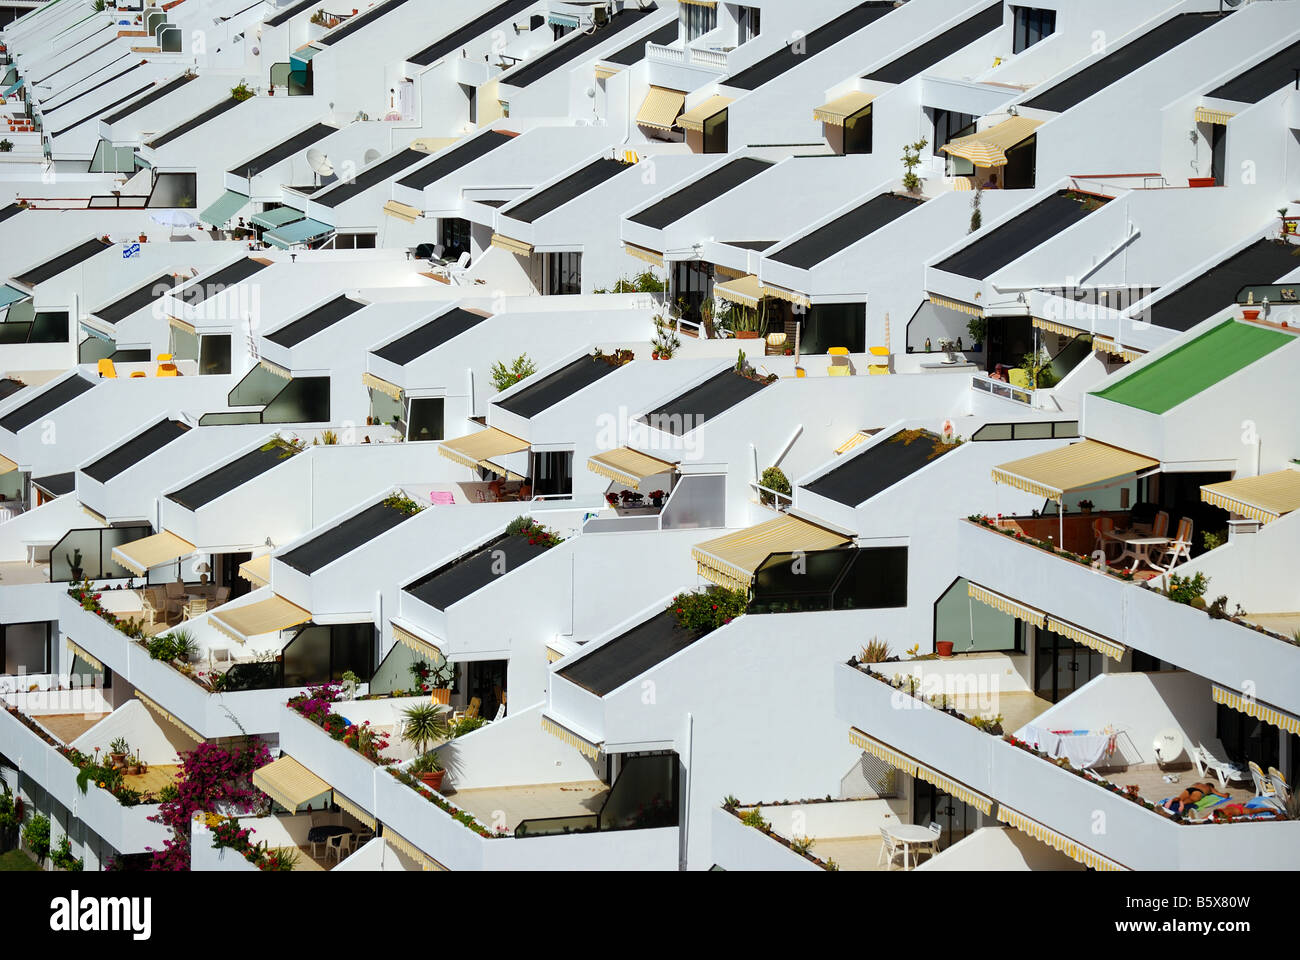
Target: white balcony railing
(715,61)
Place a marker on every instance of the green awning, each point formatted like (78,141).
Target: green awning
(278,217)
(10,295)
(13,88)
(299,59)
(301,231)
(11,75)
(1197,365)
(563,20)
(229,204)
(97,334)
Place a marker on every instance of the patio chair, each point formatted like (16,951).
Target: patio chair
(1224,770)
(1103,533)
(1263,786)
(889,848)
(221,596)
(1281,789)
(1160,525)
(106,369)
(220,656)
(474,705)
(175,599)
(338,845)
(1179,549)
(775,344)
(154,602)
(195,608)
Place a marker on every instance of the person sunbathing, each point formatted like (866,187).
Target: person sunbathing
(1187,801)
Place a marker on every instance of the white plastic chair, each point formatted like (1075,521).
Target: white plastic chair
(1179,549)
(889,848)
(1224,770)
(1281,789)
(338,845)
(1263,786)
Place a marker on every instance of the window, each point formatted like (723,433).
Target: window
(715,133)
(974,627)
(303,400)
(384,409)
(553,473)
(25,648)
(1032,25)
(691,284)
(184,344)
(749,24)
(1018,174)
(318,654)
(827,325)
(857,132)
(697,20)
(426,419)
(453,235)
(174,190)
(111,159)
(563,274)
(353,241)
(948,126)
(839,579)
(214,355)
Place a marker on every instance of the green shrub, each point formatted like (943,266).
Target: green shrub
(706,611)
(504,377)
(63,859)
(1187,589)
(754,818)
(773,478)
(36,834)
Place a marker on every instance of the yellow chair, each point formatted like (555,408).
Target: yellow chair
(839,362)
(878,351)
(878,370)
(167,370)
(138,373)
(838,351)
(775,344)
(106,369)
(1018,377)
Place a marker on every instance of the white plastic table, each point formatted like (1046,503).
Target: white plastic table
(1137,547)
(909,835)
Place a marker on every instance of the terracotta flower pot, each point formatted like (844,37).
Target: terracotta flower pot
(943,648)
(1250,314)
(746,334)
(1200,181)
(434,779)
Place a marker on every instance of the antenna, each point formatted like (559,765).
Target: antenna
(319,163)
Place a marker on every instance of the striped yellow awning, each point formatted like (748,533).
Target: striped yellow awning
(257,571)
(1131,355)
(962,184)
(628,467)
(693,119)
(1073,467)
(841,108)
(660,108)
(7,466)
(166,715)
(81,654)
(354,808)
(581,744)
(722,270)
(425,648)
(402,211)
(652,257)
(1051,326)
(474,450)
(798,299)
(998,601)
(289,783)
(877,749)
(1057,841)
(1264,497)
(1207,115)
(398,842)
(987,148)
(511,245)
(747,291)
(699,3)
(1102,645)
(180,324)
(383,386)
(1106,345)
(284,373)
(954,789)
(731,560)
(853,441)
(254,619)
(552,655)
(957,305)
(1253,708)
(95,515)
(140,556)
(606,70)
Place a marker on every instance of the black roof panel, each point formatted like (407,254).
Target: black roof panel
(626,657)
(65,261)
(96,112)
(845,230)
(573,47)
(570,188)
(159,91)
(995,249)
(286,13)
(700,404)
(1115,66)
(214,283)
(877,468)
(1263,79)
(359,22)
(704,190)
(1264,261)
(374,174)
(283,151)
(137,299)
(229,476)
(142,445)
(455,158)
(322,318)
(470,31)
(343,538)
(57,484)
(550,390)
(941,47)
(193,123)
(46,111)
(813,43)
(12,210)
(9,386)
(635,51)
(457,580)
(49,401)
(429,336)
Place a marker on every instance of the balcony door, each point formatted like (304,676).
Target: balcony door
(1062,666)
(932,805)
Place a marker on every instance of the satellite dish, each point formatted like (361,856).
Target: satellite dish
(1168,745)
(370,157)
(320,163)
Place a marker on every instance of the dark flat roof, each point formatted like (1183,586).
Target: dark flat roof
(457,580)
(626,657)
(993,251)
(286,13)
(464,34)
(343,538)
(428,336)
(758,245)
(136,449)
(698,405)
(455,158)
(45,112)
(65,261)
(137,299)
(322,318)
(877,468)
(941,47)
(374,174)
(813,43)
(283,151)
(704,190)
(193,123)
(10,386)
(845,230)
(574,46)
(226,478)
(1263,79)
(95,113)
(57,484)
(1264,261)
(49,401)
(550,390)
(205,288)
(1116,66)
(12,210)
(635,51)
(570,188)
(73,63)
(360,22)
(159,91)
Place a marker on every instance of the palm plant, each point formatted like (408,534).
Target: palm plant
(424,724)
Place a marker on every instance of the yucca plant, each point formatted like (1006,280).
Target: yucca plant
(424,724)
(877,651)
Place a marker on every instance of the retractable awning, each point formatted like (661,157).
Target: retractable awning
(254,619)
(383,386)
(880,751)
(841,108)
(170,718)
(693,119)
(1253,708)
(476,449)
(299,59)
(959,306)
(11,295)
(987,148)
(511,245)
(1265,497)
(270,219)
(257,571)
(402,211)
(660,109)
(1208,115)
(628,467)
(1074,467)
(300,231)
(424,648)
(140,556)
(6,465)
(13,88)
(1014,608)
(955,789)
(853,441)
(747,291)
(1101,644)
(652,257)
(731,561)
(86,658)
(584,746)
(227,205)
(289,783)
(1052,326)
(1057,841)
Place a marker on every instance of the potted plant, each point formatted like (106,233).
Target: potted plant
(943,648)
(657,498)
(6,146)
(631,498)
(118,751)
(612,499)
(1086,506)
(133,768)
(424,724)
(977,327)
(74,562)
(428,767)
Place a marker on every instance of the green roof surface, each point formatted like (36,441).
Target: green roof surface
(1200,363)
